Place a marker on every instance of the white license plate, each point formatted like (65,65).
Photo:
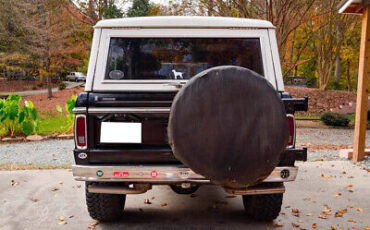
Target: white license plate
(120,132)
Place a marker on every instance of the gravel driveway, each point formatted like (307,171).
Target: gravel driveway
(49,153)
(307,136)
(58,153)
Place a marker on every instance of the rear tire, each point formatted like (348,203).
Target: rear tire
(184,191)
(104,207)
(263,207)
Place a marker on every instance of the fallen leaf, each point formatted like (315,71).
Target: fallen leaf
(153,198)
(323,217)
(60,182)
(62,223)
(333,227)
(61,218)
(339,194)
(164,204)
(324,176)
(71,216)
(93,225)
(314,225)
(350,190)
(146,201)
(340,213)
(278,225)
(295,210)
(309,214)
(349,186)
(359,209)
(13,183)
(351,221)
(35,198)
(367,228)
(327,211)
(295,225)
(54,189)
(300,221)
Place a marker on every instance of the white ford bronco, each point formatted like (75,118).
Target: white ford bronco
(185,101)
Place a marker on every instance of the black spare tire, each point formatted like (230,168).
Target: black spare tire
(228,124)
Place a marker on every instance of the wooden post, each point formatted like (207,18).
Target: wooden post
(362,89)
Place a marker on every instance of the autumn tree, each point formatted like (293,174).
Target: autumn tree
(139,8)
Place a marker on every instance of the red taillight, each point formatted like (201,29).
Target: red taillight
(80,131)
(291,128)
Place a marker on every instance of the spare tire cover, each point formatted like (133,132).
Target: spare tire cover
(228,124)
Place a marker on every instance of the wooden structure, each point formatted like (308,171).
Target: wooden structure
(361,7)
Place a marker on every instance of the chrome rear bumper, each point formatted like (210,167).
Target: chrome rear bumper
(161,174)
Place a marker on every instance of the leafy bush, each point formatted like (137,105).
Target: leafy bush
(335,119)
(16,119)
(70,105)
(40,84)
(62,85)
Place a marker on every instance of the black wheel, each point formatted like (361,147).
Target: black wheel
(179,190)
(263,207)
(104,207)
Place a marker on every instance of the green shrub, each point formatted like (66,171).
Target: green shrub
(70,105)
(16,119)
(335,119)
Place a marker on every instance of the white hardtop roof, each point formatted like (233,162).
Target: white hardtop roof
(184,22)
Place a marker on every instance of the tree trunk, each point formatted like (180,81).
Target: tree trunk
(339,45)
(210,6)
(48,83)
(292,53)
(348,75)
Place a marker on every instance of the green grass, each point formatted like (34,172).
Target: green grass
(52,125)
(307,116)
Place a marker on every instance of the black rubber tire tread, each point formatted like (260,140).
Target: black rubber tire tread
(184,191)
(104,207)
(263,207)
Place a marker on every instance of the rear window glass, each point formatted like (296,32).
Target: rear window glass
(178,58)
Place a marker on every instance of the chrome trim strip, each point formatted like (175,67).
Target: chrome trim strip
(79,110)
(162,174)
(129,110)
